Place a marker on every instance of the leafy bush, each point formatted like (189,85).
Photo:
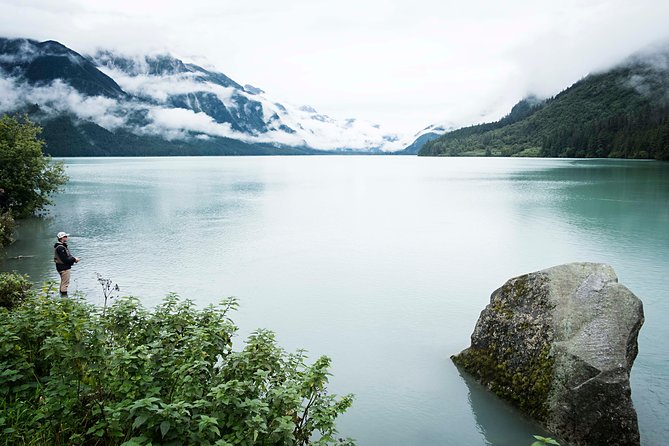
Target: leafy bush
(7,226)
(71,375)
(14,289)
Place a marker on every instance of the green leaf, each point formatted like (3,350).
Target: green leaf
(139,421)
(542,441)
(135,441)
(164,428)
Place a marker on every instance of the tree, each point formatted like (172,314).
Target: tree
(28,177)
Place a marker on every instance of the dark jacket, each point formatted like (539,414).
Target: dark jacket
(61,255)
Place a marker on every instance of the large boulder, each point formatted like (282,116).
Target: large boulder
(559,344)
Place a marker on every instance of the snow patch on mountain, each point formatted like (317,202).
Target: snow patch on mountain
(160,79)
(161,95)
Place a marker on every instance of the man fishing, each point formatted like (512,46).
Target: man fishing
(64,261)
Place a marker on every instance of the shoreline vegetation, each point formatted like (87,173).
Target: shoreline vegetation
(74,373)
(28,178)
(78,374)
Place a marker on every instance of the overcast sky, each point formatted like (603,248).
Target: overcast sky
(402,64)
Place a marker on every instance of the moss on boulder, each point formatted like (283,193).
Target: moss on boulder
(559,344)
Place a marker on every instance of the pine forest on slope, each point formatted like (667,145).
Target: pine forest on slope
(622,113)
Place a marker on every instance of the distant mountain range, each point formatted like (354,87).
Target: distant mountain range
(424,136)
(114,104)
(109,103)
(621,113)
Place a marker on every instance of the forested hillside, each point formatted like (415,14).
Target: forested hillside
(66,136)
(622,113)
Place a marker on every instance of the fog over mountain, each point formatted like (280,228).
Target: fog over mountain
(403,65)
(112,103)
(622,112)
(161,96)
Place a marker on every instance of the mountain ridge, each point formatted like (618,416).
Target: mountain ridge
(619,113)
(52,60)
(109,103)
(108,99)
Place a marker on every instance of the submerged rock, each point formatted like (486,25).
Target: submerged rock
(560,344)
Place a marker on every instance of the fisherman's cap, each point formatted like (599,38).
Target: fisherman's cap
(62,234)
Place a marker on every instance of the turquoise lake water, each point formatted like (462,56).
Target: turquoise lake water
(382,263)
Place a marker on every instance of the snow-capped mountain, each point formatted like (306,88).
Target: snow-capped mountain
(102,103)
(427,134)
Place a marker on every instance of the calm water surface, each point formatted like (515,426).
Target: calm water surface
(383,263)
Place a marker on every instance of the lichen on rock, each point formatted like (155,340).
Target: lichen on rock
(559,344)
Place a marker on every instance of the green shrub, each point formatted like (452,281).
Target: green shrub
(7,226)
(14,289)
(71,375)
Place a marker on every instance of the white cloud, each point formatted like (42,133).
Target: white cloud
(9,95)
(160,88)
(170,123)
(179,123)
(404,65)
(59,97)
(323,132)
(179,119)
